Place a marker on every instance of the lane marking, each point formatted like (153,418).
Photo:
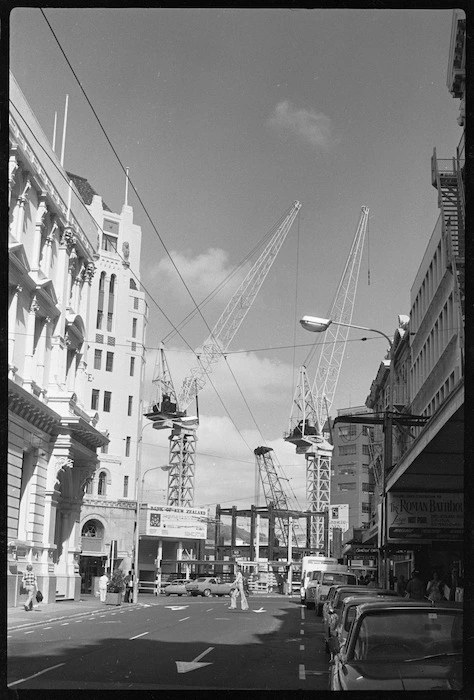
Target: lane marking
(47,628)
(301,673)
(183,619)
(301,647)
(186,666)
(63,624)
(140,635)
(303,609)
(209,609)
(23,680)
(301,631)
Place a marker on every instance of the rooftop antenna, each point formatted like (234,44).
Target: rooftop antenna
(64,131)
(126,187)
(54,129)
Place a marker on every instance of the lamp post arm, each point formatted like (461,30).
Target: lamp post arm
(364,328)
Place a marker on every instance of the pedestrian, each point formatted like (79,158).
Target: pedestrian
(30,583)
(129,588)
(433,589)
(361,580)
(415,589)
(103,582)
(238,589)
(401,585)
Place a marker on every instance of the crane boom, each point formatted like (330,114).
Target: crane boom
(309,403)
(234,313)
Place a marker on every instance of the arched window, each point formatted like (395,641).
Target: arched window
(101,487)
(110,310)
(100,304)
(92,528)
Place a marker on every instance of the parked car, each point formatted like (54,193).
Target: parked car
(177,587)
(318,588)
(400,645)
(328,602)
(347,616)
(344,592)
(208,585)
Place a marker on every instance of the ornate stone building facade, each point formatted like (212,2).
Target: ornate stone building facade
(52,432)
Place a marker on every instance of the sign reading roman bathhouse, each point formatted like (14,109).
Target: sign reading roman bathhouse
(425,516)
(176,522)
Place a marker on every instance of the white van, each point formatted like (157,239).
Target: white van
(321,582)
(310,565)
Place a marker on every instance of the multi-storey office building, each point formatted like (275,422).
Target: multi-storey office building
(351,479)
(119,314)
(420,514)
(52,431)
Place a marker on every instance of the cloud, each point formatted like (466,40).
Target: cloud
(202,273)
(312,126)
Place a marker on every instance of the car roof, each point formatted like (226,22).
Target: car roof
(360,600)
(407,604)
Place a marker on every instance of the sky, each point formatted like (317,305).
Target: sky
(224,118)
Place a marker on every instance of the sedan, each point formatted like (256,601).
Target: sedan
(177,587)
(332,618)
(400,645)
(208,585)
(347,616)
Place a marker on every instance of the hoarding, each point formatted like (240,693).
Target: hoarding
(425,516)
(176,522)
(339,517)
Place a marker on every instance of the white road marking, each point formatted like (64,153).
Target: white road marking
(186,666)
(303,608)
(183,619)
(209,609)
(47,628)
(301,647)
(22,680)
(140,635)
(31,632)
(302,674)
(63,624)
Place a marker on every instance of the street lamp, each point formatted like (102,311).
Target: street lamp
(316,324)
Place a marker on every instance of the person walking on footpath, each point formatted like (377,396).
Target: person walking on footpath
(401,585)
(238,589)
(433,590)
(30,583)
(103,581)
(129,588)
(415,589)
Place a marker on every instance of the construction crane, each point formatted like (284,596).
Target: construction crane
(275,493)
(310,402)
(169,410)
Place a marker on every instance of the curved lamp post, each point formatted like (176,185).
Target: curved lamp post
(316,324)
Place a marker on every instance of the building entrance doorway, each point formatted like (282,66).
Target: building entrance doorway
(90,568)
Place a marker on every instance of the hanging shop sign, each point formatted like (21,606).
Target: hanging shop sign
(425,516)
(339,517)
(176,522)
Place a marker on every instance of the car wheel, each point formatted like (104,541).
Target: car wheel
(179,595)
(188,593)
(326,648)
(207,592)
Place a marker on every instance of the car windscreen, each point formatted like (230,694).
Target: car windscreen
(201,579)
(367,593)
(330,579)
(407,634)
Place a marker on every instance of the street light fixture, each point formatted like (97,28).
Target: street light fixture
(316,324)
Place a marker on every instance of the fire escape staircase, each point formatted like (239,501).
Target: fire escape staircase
(448,180)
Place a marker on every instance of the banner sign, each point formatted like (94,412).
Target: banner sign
(176,522)
(339,517)
(425,516)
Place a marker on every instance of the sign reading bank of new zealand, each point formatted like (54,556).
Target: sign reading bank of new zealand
(177,522)
(425,516)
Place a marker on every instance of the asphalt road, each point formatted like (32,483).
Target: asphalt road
(174,643)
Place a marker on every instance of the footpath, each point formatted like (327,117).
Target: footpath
(18,617)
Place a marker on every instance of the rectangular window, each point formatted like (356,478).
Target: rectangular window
(109,362)
(348,486)
(366,507)
(128,441)
(347,472)
(107,401)
(100,316)
(110,317)
(132,366)
(130,405)
(97,359)
(135,302)
(125,486)
(109,243)
(348,430)
(134,328)
(365,449)
(368,488)
(347,450)
(95,400)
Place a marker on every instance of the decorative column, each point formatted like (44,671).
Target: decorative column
(21,211)
(30,342)
(47,252)
(12,168)
(71,278)
(58,354)
(41,355)
(12,316)
(39,225)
